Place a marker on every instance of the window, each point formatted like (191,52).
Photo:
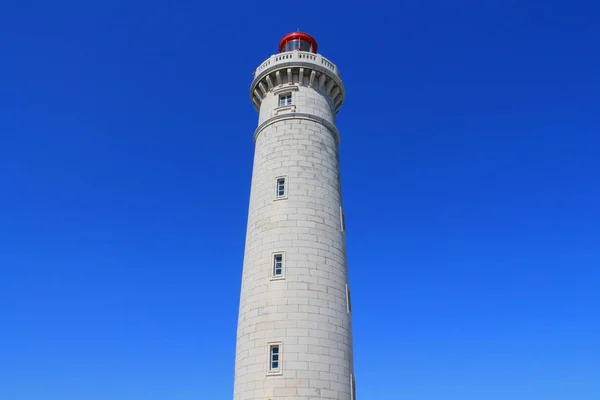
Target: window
(342,220)
(285,99)
(298,44)
(352,387)
(280,188)
(274,358)
(348,300)
(278,265)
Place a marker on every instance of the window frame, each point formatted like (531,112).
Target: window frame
(285,187)
(273,275)
(283,91)
(270,369)
(287,97)
(348,300)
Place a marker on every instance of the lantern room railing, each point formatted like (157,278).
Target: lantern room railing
(288,56)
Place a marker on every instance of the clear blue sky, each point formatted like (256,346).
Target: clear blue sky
(471,172)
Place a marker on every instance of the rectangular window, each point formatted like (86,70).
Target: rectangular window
(285,99)
(280,188)
(352,387)
(274,358)
(342,220)
(278,265)
(348,300)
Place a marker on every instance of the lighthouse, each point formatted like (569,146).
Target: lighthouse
(294,335)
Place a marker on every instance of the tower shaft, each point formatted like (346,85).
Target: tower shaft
(294,337)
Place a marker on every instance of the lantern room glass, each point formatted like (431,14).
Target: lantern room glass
(297,45)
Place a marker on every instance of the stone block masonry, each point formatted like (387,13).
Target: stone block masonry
(303,311)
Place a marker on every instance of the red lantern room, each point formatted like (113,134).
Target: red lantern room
(298,41)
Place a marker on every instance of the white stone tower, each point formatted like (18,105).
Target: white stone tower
(294,338)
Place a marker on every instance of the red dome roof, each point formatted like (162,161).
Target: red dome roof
(302,37)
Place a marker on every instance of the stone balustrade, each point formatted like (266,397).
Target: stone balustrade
(296,55)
